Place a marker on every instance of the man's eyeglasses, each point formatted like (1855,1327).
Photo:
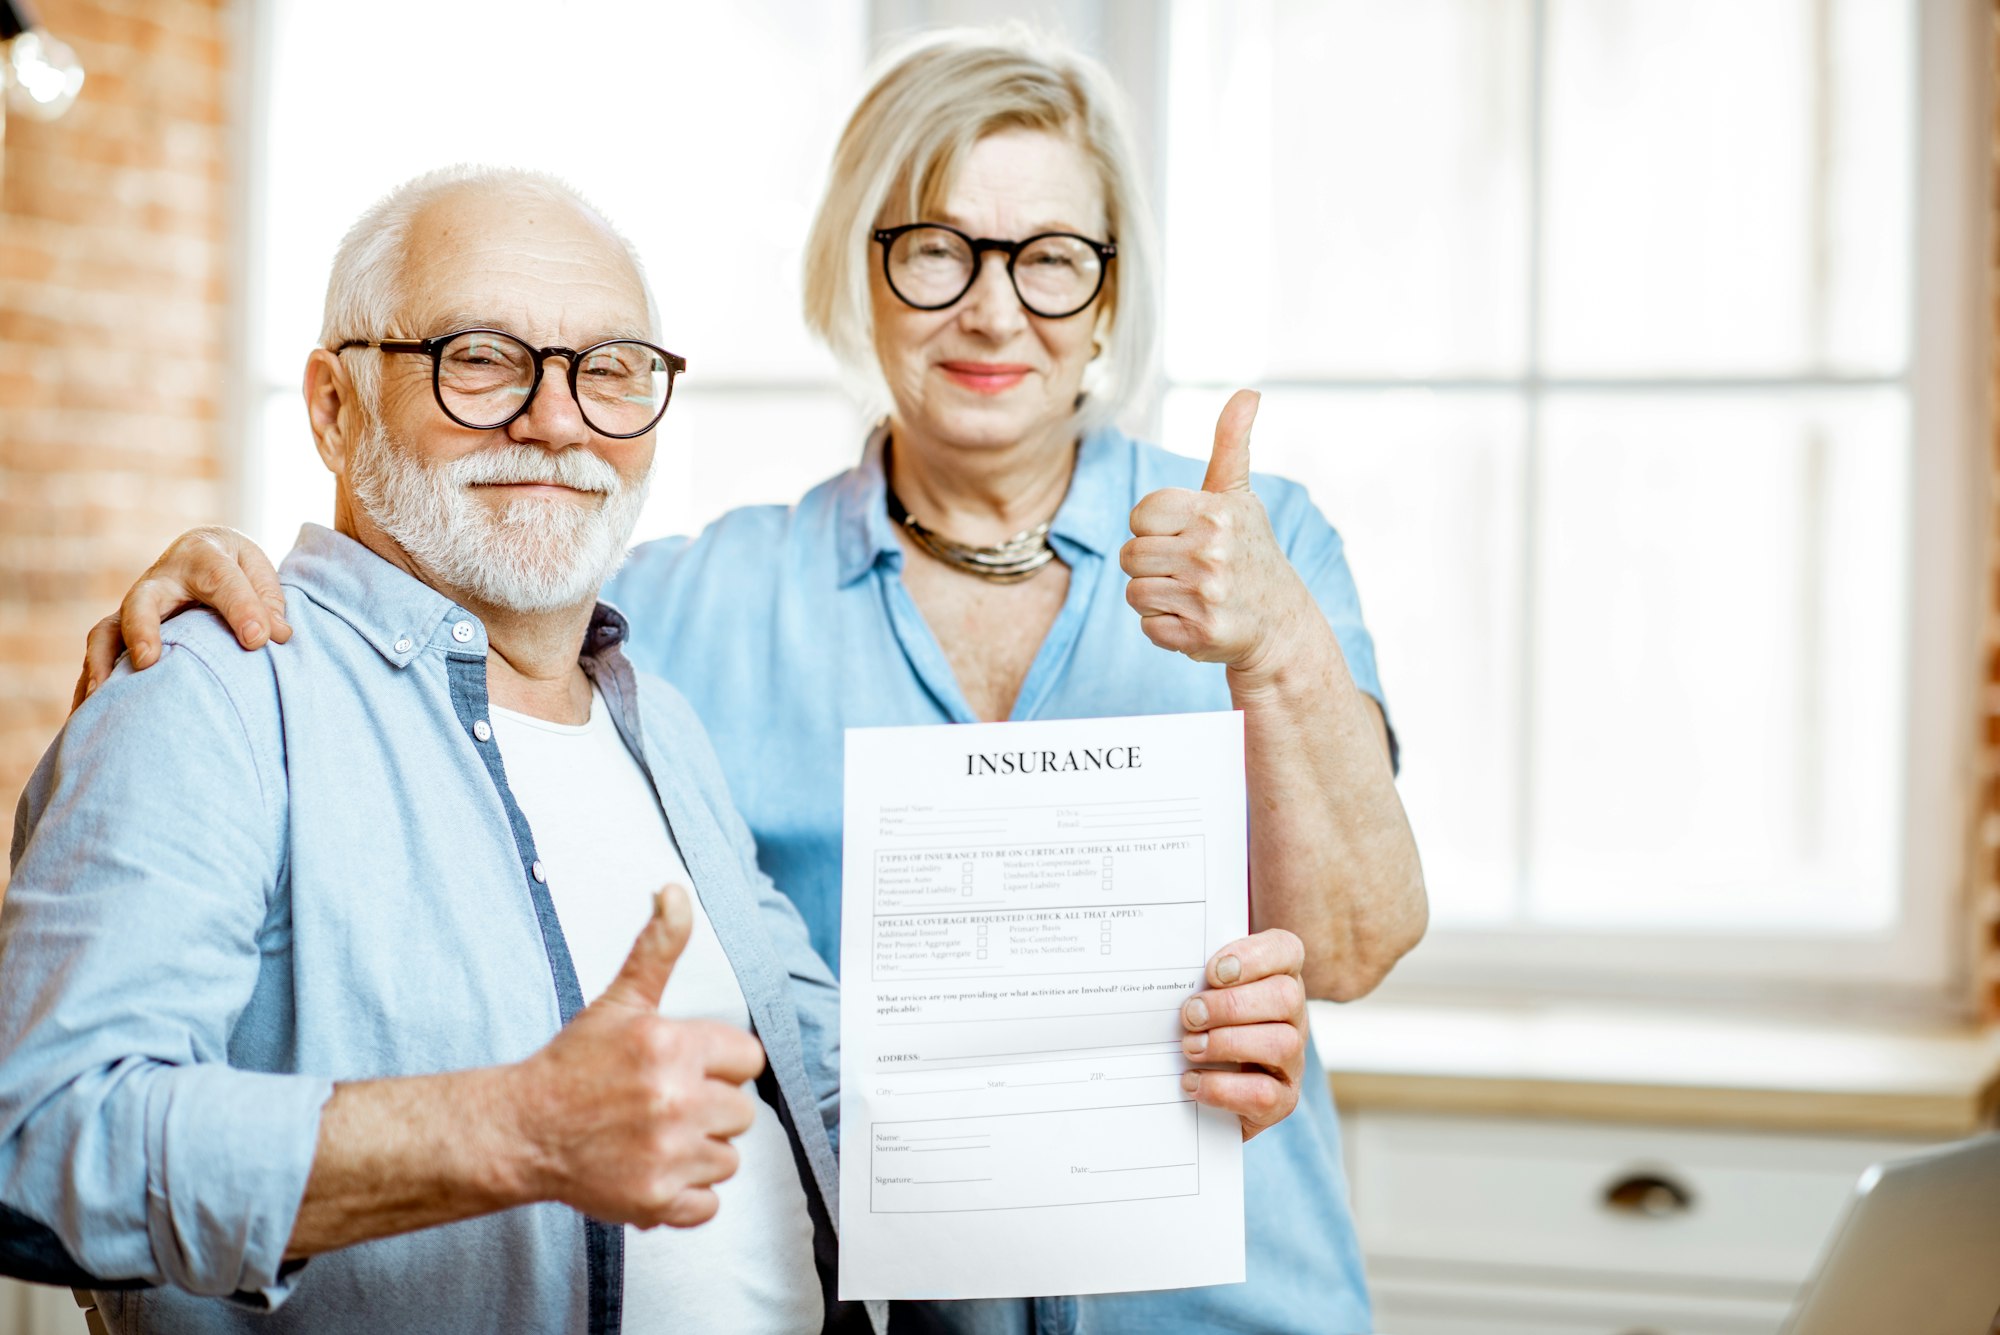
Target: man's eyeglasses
(930,266)
(485,378)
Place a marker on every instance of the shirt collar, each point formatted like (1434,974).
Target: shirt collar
(1093,516)
(392,609)
(865,534)
(608,629)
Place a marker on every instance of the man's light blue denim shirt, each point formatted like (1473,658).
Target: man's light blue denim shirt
(241,877)
(784,626)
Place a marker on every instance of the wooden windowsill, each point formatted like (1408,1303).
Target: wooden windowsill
(1599,1062)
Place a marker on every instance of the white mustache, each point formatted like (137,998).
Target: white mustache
(511,464)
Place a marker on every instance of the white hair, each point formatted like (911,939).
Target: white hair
(367,287)
(537,555)
(928,104)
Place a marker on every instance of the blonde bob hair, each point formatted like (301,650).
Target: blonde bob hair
(930,102)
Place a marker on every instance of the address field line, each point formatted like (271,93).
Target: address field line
(1074,806)
(1014,1019)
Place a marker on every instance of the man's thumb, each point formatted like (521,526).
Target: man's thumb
(1229,465)
(645,972)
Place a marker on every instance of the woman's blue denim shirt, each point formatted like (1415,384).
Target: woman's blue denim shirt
(784,626)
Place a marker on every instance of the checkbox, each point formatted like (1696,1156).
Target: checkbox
(1107,859)
(1104,935)
(1107,883)
(982,954)
(1104,950)
(967,891)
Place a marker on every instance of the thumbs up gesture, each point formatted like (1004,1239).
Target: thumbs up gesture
(631,1113)
(1208,578)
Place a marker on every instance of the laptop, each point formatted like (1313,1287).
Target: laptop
(1917,1251)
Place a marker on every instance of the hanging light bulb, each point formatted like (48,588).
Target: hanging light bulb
(42,75)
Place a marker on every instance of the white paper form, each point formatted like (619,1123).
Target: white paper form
(1024,908)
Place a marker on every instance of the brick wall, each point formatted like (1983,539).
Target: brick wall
(112,316)
(1986,899)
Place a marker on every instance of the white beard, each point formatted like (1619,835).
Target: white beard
(538,556)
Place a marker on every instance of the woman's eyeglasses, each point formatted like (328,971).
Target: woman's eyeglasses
(930,266)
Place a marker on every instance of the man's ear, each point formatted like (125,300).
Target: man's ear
(334,409)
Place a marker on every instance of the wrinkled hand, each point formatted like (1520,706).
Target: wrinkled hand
(205,567)
(629,1114)
(1208,578)
(1250,1021)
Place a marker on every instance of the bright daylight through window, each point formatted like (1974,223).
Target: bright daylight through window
(1587,322)
(637,125)
(1587,326)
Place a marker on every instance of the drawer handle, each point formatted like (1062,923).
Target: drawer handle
(1648,1195)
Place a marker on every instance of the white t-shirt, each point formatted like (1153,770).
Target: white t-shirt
(603,842)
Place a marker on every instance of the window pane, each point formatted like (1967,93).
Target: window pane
(1347,188)
(719,217)
(1718,668)
(1727,186)
(1425,491)
(716,190)
(1686,711)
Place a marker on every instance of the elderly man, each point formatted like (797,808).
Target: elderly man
(293,968)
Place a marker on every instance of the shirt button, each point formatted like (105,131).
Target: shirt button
(541,877)
(403,645)
(483,730)
(462,631)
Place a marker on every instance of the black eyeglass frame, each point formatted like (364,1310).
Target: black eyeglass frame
(1106,252)
(434,349)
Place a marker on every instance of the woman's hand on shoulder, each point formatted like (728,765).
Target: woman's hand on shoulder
(204,567)
(1208,578)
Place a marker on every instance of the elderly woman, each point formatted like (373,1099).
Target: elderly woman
(981,261)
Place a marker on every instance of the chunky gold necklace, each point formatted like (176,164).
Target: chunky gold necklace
(1009,563)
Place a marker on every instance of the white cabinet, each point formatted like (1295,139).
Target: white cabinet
(1531,1226)
(1448,1309)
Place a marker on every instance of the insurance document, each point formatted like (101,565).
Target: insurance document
(1024,908)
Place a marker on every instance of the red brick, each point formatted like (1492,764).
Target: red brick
(113,290)
(1987,938)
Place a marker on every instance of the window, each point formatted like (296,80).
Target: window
(1630,343)
(1589,324)
(744,102)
